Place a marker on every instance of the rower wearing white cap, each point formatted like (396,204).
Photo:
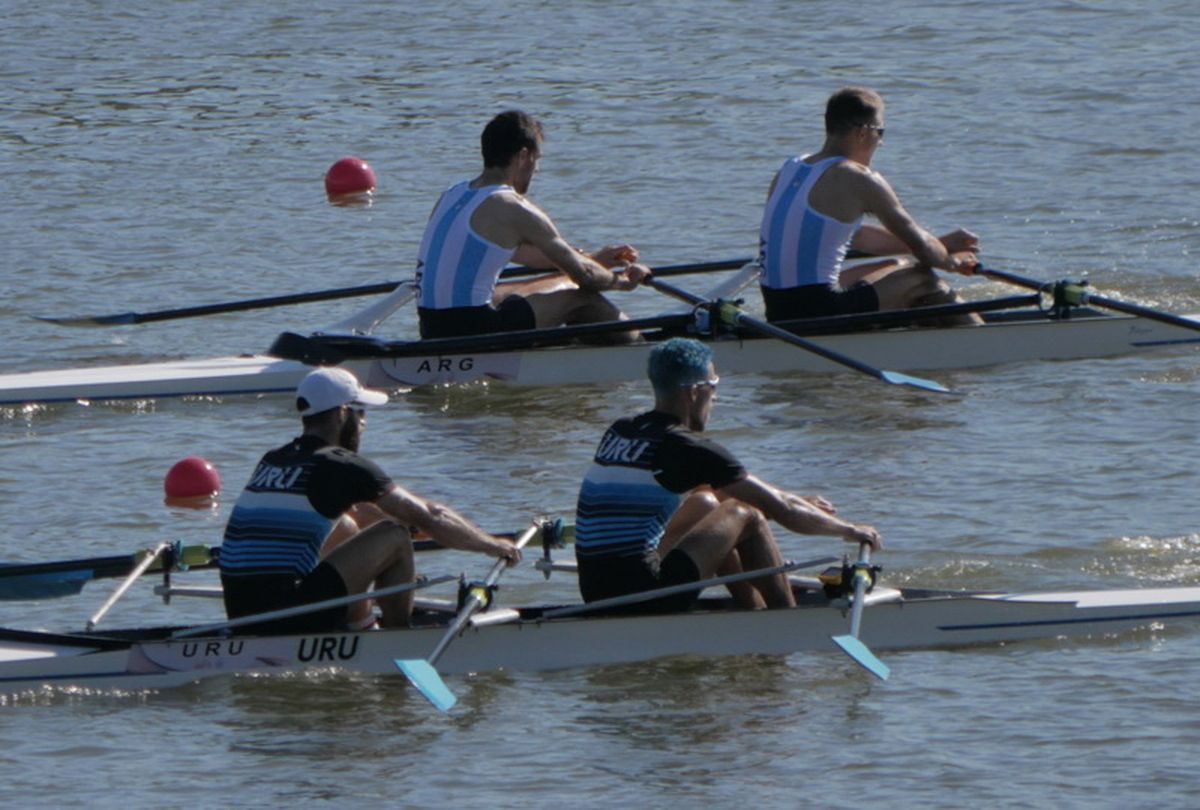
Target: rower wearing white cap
(277,551)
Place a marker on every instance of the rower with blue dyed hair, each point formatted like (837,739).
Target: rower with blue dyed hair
(661,505)
(676,363)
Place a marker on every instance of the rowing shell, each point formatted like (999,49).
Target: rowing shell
(1009,338)
(523,639)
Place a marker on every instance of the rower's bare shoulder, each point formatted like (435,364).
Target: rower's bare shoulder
(851,171)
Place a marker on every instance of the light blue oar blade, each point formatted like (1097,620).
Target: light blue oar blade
(896,378)
(859,652)
(423,676)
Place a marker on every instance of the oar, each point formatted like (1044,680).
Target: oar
(312,607)
(730,314)
(124,318)
(48,580)
(421,672)
(66,577)
(686,587)
(850,643)
(1079,295)
(339,348)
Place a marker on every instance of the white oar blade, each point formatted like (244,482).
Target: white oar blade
(859,652)
(896,378)
(423,676)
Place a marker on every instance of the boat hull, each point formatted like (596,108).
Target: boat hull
(894,620)
(1005,341)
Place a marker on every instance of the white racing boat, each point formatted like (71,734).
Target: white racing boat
(887,340)
(555,637)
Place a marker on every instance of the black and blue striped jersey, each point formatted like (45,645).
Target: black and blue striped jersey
(642,469)
(290,505)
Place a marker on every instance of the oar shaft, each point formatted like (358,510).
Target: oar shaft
(312,607)
(137,571)
(308,348)
(478,596)
(124,318)
(861,580)
(742,319)
(769,329)
(671,590)
(1086,297)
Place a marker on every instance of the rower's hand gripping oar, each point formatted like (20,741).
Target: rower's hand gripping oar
(850,643)
(729,313)
(421,672)
(125,318)
(1077,294)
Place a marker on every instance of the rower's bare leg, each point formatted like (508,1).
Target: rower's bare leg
(872,272)
(552,282)
(900,285)
(694,507)
(736,525)
(744,593)
(575,306)
(359,613)
(382,555)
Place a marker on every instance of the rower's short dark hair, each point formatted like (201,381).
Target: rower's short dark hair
(507,134)
(678,362)
(851,107)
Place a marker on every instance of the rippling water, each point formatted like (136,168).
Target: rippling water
(162,155)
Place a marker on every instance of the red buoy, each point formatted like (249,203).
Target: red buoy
(192,478)
(350,175)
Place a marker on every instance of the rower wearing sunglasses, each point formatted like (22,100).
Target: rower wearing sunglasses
(317,521)
(814,212)
(661,505)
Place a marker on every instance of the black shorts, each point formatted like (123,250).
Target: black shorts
(513,315)
(819,301)
(603,579)
(245,596)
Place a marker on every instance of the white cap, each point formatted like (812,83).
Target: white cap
(328,388)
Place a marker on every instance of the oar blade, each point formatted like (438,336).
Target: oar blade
(50,585)
(896,378)
(421,674)
(119,319)
(859,652)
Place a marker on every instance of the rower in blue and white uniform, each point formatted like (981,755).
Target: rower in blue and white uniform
(814,215)
(457,271)
(661,505)
(478,226)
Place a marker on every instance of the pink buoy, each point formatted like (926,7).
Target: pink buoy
(350,175)
(192,478)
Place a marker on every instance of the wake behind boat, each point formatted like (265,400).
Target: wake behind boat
(1016,329)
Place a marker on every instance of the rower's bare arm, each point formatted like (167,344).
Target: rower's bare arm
(799,514)
(875,240)
(609,256)
(445,526)
(881,201)
(537,230)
